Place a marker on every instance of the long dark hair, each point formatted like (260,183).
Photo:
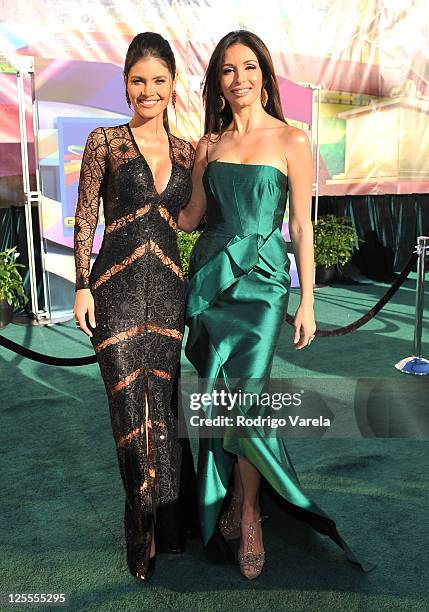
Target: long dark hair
(216,121)
(149,44)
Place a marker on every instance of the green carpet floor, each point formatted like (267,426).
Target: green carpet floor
(62,498)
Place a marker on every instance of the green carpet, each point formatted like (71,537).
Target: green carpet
(62,498)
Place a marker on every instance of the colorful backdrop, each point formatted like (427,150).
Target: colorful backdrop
(370,58)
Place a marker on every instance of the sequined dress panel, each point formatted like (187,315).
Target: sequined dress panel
(138,289)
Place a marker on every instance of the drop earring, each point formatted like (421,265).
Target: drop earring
(222,102)
(264,97)
(174,101)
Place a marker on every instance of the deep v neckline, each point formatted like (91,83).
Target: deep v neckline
(140,154)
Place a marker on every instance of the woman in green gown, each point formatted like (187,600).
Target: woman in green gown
(239,285)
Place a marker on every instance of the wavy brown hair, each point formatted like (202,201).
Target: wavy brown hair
(217,121)
(149,44)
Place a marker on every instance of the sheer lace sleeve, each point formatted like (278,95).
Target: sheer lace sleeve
(94,164)
(191,157)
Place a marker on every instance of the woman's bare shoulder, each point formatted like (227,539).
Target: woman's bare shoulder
(296,146)
(293,136)
(206,145)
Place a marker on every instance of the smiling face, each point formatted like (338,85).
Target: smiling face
(241,78)
(149,86)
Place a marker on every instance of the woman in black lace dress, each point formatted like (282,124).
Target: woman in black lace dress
(131,304)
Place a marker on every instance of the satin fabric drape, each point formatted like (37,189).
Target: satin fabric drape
(237,299)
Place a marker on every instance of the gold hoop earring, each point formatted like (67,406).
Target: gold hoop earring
(264,97)
(222,103)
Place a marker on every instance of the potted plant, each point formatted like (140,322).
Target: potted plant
(12,292)
(186,242)
(335,239)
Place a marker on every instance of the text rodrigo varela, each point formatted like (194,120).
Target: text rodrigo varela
(235,404)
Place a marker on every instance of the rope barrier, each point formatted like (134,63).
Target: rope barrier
(340,331)
(48,359)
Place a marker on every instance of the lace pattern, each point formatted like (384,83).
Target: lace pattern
(138,289)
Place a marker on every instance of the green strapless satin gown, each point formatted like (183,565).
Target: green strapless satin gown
(237,299)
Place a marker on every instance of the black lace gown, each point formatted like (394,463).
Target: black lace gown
(139,295)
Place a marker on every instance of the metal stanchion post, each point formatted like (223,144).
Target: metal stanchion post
(417,364)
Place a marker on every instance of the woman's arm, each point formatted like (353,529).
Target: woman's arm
(94,162)
(191,214)
(300,172)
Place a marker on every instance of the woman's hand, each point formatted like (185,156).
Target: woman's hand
(84,303)
(305,326)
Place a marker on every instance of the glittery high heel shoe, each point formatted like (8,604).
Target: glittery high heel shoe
(145,574)
(251,563)
(228,526)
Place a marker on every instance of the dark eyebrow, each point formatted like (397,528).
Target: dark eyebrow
(245,62)
(137,76)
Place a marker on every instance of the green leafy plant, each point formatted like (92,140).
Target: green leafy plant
(335,239)
(186,243)
(11,287)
